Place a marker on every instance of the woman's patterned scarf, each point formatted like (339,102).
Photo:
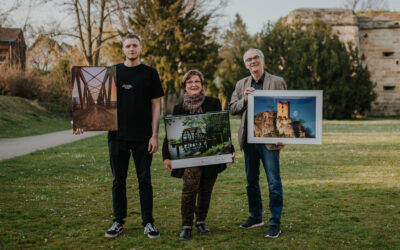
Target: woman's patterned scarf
(193,103)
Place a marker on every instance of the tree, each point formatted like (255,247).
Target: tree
(94,24)
(218,126)
(46,53)
(365,5)
(43,54)
(311,57)
(56,85)
(176,36)
(5,13)
(236,41)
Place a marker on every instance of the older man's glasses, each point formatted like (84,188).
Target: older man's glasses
(255,58)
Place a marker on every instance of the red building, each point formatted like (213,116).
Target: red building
(12,46)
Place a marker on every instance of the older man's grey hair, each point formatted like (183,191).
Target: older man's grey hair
(256,50)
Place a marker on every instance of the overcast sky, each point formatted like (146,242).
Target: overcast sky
(255,13)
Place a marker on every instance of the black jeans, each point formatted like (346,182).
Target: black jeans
(120,152)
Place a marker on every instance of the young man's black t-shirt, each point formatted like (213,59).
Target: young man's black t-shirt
(136,86)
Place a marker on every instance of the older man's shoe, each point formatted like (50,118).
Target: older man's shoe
(186,233)
(273,231)
(252,222)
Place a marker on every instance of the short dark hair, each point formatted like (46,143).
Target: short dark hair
(130,36)
(190,73)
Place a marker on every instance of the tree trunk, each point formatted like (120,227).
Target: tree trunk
(164,105)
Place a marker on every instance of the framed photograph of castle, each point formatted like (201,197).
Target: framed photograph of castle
(288,116)
(94,98)
(198,140)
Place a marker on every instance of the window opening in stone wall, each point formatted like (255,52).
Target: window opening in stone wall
(3,57)
(387,53)
(389,87)
(365,35)
(397,62)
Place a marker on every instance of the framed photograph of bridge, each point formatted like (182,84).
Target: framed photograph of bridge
(94,98)
(288,116)
(198,140)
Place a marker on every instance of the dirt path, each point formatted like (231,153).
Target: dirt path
(12,147)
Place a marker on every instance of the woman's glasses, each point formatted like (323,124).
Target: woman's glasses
(193,82)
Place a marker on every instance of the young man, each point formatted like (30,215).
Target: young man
(138,103)
(138,106)
(253,153)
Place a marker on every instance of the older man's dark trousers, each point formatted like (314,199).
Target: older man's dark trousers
(120,152)
(253,153)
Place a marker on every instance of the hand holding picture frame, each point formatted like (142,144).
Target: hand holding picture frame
(94,98)
(198,140)
(287,116)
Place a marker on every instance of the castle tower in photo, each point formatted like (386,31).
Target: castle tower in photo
(283,120)
(272,123)
(377,36)
(283,109)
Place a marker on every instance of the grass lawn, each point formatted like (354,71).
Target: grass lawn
(343,194)
(22,117)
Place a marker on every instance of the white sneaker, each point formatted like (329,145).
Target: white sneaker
(115,230)
(151,231)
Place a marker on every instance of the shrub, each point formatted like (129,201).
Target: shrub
(53,86)
(16,82)
(56,86)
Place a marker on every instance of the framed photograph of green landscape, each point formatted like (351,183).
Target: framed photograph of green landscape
(94,98)
(198,140)
(287,116)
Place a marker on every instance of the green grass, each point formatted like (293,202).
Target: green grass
(342,194)
(22,117)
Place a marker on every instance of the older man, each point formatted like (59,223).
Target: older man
(253,153)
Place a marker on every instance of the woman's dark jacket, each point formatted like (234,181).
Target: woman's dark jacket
(210,104)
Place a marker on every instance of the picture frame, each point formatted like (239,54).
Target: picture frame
(287,116)
(94,98)
(199,140)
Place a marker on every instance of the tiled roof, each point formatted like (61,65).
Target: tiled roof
(9,34)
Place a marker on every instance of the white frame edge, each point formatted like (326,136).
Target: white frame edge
(285,93)
(202,161)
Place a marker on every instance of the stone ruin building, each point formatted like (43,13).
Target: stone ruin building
(279,123)
(377,36)
(283,120)
(264,124)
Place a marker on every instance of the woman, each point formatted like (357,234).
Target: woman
(198,182)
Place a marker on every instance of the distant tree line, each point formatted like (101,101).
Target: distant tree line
(178,35)
(308,57)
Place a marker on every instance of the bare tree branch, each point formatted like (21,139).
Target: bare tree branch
(81,10)
(95,23)
(122,18)
(78,20)
(4,15)
(364,5)
(101,23)
(89,32)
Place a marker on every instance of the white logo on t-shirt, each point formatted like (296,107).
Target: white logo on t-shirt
(126,86)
